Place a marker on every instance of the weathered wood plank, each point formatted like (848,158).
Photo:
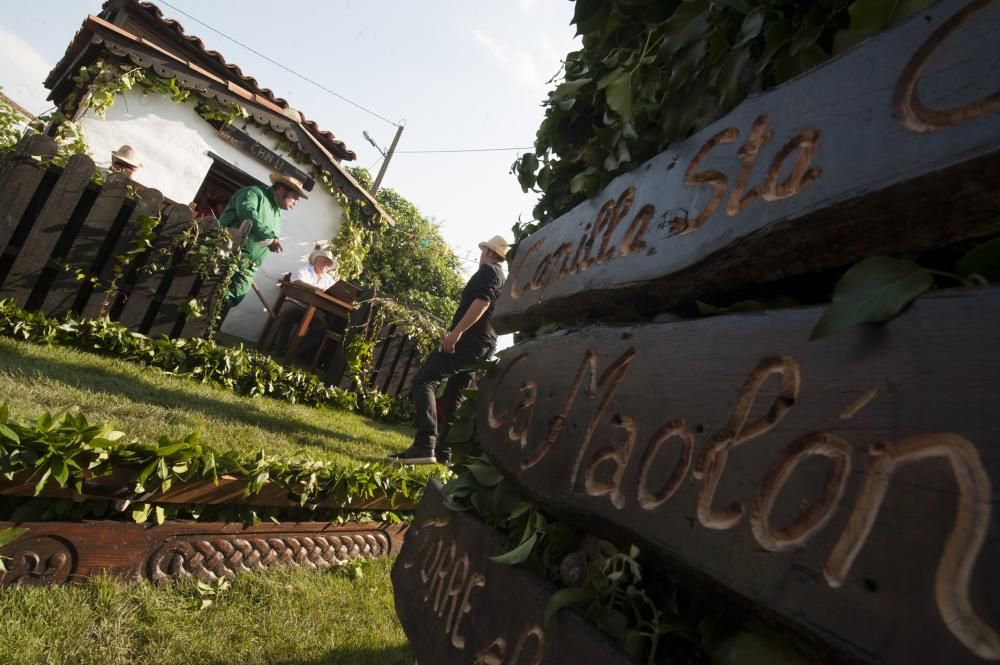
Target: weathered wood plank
(651,432)
(142,295)
(92,304)
(56,552)
(85,254)
(20,176)
(457,606)
(891,147)
(121,485)
(34,253)
(180,289)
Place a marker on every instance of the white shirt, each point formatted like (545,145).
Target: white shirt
(308,275)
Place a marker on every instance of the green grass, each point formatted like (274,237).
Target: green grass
(281,615)
(145,403)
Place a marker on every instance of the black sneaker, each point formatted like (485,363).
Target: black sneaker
(443,456)
(415,455)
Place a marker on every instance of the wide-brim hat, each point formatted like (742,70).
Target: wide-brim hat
(290,182)
(497,245)
(316,253)
(128,155)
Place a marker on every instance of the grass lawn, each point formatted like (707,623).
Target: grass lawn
(280,615)
(145,403)
(277,616)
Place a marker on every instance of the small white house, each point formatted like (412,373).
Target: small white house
(187,150)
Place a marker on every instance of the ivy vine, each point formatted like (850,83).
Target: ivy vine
(652,72)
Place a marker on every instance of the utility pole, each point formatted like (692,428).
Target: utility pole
(388,156)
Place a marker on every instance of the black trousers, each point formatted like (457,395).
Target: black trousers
(439,366)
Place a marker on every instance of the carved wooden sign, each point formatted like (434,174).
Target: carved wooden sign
(457,606)
(847,485)
(264,155)
(892,146)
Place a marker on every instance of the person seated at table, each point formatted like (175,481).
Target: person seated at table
(319,273)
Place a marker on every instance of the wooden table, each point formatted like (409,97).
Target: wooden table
(313,300)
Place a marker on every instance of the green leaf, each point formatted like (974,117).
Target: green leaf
(756,649)
(981,260)
(8,433)
(619,96)
(876,289)
(486,474)
(518,554)
(11,534)
(566,597)
(753,23)
(59,471)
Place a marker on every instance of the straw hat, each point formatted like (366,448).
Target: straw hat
(128,155)
(316,253)
(496,244)
(290,182)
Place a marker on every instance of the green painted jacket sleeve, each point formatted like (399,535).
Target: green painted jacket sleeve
(257,205)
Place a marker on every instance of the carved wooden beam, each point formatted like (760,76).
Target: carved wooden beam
(892,147)
(846,485)
(457,606)
(55,552)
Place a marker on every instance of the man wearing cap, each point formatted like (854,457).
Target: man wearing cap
(470,339)
(125,160)
(261,206)
(319,273)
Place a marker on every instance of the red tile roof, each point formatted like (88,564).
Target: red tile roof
(326,138)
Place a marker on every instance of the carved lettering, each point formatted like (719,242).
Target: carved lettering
(738,201)
(614,374)
(972,521)
(634,240)
(619,457)
(607,250)
(712,461)
(516,292)
(906,102)
(493,654)
(675,428)
(439,575)
(523,413)
(456,582)
(798,533)
(802,175)
(715,179)
(533,632)
(493,420)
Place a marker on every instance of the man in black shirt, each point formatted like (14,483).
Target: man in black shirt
(471,338)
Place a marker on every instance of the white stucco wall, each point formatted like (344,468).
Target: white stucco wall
(173,142)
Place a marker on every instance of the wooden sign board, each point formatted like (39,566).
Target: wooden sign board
(846,485)
(264,155)
(893,146)
(457,606)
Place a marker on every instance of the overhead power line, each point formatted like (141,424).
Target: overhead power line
(275,62)
(424,152)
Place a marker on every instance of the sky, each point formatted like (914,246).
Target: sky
(461,74)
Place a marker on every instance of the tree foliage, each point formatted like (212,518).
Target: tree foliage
(652,72)
(411,261)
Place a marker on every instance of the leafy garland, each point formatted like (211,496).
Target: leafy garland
(652,72)
(67,450)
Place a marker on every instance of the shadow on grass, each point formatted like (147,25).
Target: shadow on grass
(369,656)
(137,389)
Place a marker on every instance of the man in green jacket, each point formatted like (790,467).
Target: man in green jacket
(262,207)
